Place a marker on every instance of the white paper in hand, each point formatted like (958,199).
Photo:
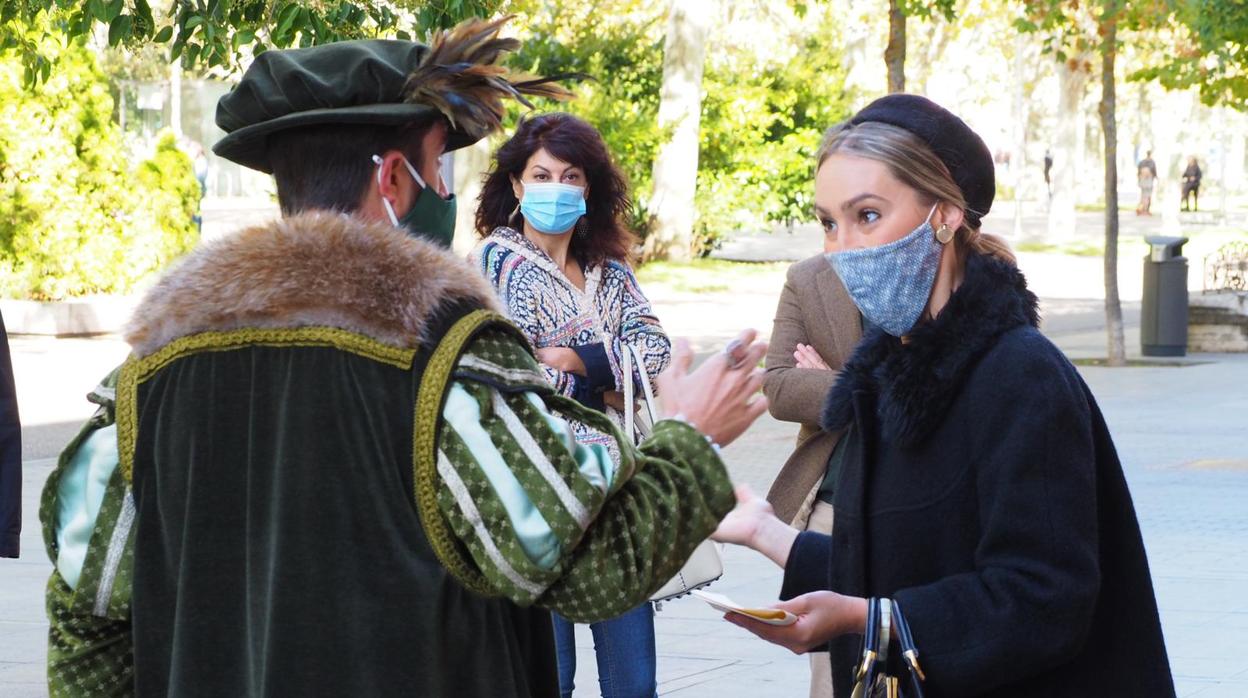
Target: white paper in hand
(770,616)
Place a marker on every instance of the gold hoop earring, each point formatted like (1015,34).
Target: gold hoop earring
(944,234)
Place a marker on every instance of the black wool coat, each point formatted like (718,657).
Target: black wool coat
(10,456)
(985,496)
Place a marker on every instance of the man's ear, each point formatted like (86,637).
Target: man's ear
(391,181)
(391,175)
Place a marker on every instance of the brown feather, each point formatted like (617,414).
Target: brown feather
(461,78)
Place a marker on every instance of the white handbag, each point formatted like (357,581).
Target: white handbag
(704,565)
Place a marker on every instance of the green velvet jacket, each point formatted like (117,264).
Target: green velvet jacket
(341,472)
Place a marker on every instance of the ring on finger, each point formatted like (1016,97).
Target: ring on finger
(730,353)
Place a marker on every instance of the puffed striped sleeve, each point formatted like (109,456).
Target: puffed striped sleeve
(553,522)
(87,513)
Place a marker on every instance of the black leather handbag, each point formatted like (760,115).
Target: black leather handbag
(884,621)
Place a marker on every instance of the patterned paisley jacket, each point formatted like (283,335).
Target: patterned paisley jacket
(598,322)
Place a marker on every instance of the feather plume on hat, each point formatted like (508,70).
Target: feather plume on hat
(461,77)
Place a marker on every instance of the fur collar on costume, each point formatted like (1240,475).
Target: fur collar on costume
(315,269)
(915,383)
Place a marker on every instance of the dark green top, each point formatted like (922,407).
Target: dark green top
(828,487)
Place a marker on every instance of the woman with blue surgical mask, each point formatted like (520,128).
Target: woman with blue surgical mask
(556,249)
(983,528)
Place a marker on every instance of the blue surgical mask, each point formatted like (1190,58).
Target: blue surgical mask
(552,208)
(892,283)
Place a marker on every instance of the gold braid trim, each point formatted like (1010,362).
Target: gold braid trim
(433,387)
(138,369)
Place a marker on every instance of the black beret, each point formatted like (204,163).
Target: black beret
(349,82)
(960,148)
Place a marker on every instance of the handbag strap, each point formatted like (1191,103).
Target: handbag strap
(644,375)
(908,649)
(870,638)
(632,358)
(630,408)
(884,616)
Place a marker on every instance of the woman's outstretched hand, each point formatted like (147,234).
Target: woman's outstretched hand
(742,523)
(721,398)
(753,524)
(821,616)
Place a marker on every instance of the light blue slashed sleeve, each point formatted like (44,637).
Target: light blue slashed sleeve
(462,413)
(593,460)
(79,496)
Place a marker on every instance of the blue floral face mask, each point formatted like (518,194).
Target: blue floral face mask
(891,283)
(552,208)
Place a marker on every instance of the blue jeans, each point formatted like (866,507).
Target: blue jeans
(625,650)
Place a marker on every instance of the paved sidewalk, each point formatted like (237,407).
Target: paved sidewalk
(1182,432)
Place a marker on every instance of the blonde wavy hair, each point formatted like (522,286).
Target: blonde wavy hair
(913,163)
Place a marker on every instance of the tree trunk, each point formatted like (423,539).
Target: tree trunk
(895,52)
(680,113)
(1072,81)
(1109,127)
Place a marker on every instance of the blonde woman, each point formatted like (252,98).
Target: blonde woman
(980,490)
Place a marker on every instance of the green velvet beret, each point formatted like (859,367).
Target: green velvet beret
(349,82)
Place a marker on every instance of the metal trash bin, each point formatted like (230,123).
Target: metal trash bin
(1163,313)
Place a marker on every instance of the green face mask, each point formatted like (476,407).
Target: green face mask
(431,217)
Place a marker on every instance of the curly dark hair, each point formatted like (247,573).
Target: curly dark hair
(577,143)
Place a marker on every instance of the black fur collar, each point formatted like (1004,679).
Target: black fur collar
(915,383)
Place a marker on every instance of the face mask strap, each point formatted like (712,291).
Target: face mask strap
(944,234)
(394,220)
(415,175)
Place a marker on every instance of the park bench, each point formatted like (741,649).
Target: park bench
(1217,317)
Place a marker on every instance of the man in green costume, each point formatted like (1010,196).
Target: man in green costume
(329,466)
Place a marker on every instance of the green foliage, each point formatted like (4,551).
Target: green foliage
(926,9)
(622,51)
(1209,50)
(72,220)
(170,193)
(1068,27)
(762,120)
(219,33)
(761,126)
(761,123)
